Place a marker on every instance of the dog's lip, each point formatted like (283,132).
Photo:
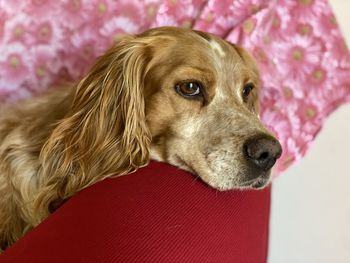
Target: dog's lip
(260,184)
(256,183)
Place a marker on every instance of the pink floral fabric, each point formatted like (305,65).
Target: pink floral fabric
(304,61)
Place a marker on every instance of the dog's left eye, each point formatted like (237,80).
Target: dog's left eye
(189,89)
(247,90)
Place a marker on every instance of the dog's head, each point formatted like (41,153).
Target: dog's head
(202,110)
(176,95)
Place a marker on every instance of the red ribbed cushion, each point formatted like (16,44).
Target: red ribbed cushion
(158,214)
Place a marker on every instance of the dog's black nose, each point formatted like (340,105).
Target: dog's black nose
(263,151)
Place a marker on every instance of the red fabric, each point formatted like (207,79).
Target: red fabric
(158,214)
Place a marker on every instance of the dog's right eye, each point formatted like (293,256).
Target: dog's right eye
(189,89)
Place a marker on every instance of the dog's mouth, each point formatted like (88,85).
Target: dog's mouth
(260,184)
(257,183)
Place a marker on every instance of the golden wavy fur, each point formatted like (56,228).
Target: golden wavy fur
(174,95)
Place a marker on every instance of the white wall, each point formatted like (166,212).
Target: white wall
(310,218)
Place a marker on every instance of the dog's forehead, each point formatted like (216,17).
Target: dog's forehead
(223,55)
(227,61)
(219,48)
(197,46)
(216,47)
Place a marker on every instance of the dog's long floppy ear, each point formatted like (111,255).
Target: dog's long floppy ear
(104,132)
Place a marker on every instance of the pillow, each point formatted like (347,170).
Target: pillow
(157,214)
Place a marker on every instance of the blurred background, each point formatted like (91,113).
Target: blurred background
(310,219)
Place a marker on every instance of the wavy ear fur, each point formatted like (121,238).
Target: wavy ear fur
(104,133)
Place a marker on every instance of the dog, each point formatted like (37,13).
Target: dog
(174,95)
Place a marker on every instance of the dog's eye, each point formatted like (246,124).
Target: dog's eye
(247,89)
(189,89)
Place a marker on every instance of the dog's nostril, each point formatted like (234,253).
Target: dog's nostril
(263,156)
(263,151)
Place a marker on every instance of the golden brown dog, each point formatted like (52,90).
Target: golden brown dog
(174,95)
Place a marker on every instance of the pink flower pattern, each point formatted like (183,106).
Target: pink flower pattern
(299,48)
